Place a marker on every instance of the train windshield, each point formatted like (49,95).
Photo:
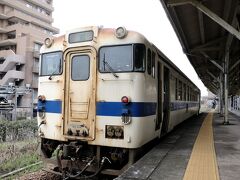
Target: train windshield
(51,64)
(122,58)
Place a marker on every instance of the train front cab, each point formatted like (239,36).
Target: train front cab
(80,94)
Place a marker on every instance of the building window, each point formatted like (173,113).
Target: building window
(37,46)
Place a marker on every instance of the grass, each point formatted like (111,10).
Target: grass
(18,162)
(15,155)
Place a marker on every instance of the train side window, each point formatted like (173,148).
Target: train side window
(149,62)
(153,64)
(190,94)
(184,92)
(180,90)
(80,68)
(176,89)
(139,57)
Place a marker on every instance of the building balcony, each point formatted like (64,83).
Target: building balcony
(15,15)
(3,16)
(11,76)
(8,42)
(5,53)
(22,7)
(3,30)
(29,29)
(11,61)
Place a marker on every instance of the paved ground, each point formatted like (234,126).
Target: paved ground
(227,146)
(169,159)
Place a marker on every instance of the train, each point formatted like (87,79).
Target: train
(104,94)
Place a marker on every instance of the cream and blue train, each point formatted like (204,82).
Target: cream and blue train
(104,94)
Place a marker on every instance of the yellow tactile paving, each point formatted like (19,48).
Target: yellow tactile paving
(202,164)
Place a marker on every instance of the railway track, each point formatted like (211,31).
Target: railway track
(19,170)
(42,174)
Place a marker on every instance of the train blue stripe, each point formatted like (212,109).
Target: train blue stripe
(136,109)
(51,106)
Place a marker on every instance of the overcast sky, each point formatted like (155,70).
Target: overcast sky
(144,16)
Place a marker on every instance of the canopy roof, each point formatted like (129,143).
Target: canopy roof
(208,31)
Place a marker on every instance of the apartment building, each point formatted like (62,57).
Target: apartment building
(24,24)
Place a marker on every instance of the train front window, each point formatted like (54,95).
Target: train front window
(122,58)
(51,64)
(116,59)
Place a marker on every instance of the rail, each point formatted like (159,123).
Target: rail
(19,170)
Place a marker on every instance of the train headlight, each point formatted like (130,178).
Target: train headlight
(121,32)
(119,132)
(48,42)
(110,131)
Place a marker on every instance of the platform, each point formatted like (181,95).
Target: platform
(194,150)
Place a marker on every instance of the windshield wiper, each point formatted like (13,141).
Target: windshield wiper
(56,70)
(109,67)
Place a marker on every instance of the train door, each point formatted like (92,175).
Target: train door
(80,94)
(166,101)
(159,97)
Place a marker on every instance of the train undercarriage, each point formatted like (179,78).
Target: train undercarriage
(78,160)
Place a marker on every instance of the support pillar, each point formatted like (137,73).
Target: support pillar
(221,94)
(226,61)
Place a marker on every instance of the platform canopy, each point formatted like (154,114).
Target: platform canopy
(208,31)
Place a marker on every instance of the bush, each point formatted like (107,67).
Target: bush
(17,130)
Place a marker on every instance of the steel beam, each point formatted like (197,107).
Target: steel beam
(201,26)
(233,66)
(177,2)
(212,61)
(214,77)
(207,12)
